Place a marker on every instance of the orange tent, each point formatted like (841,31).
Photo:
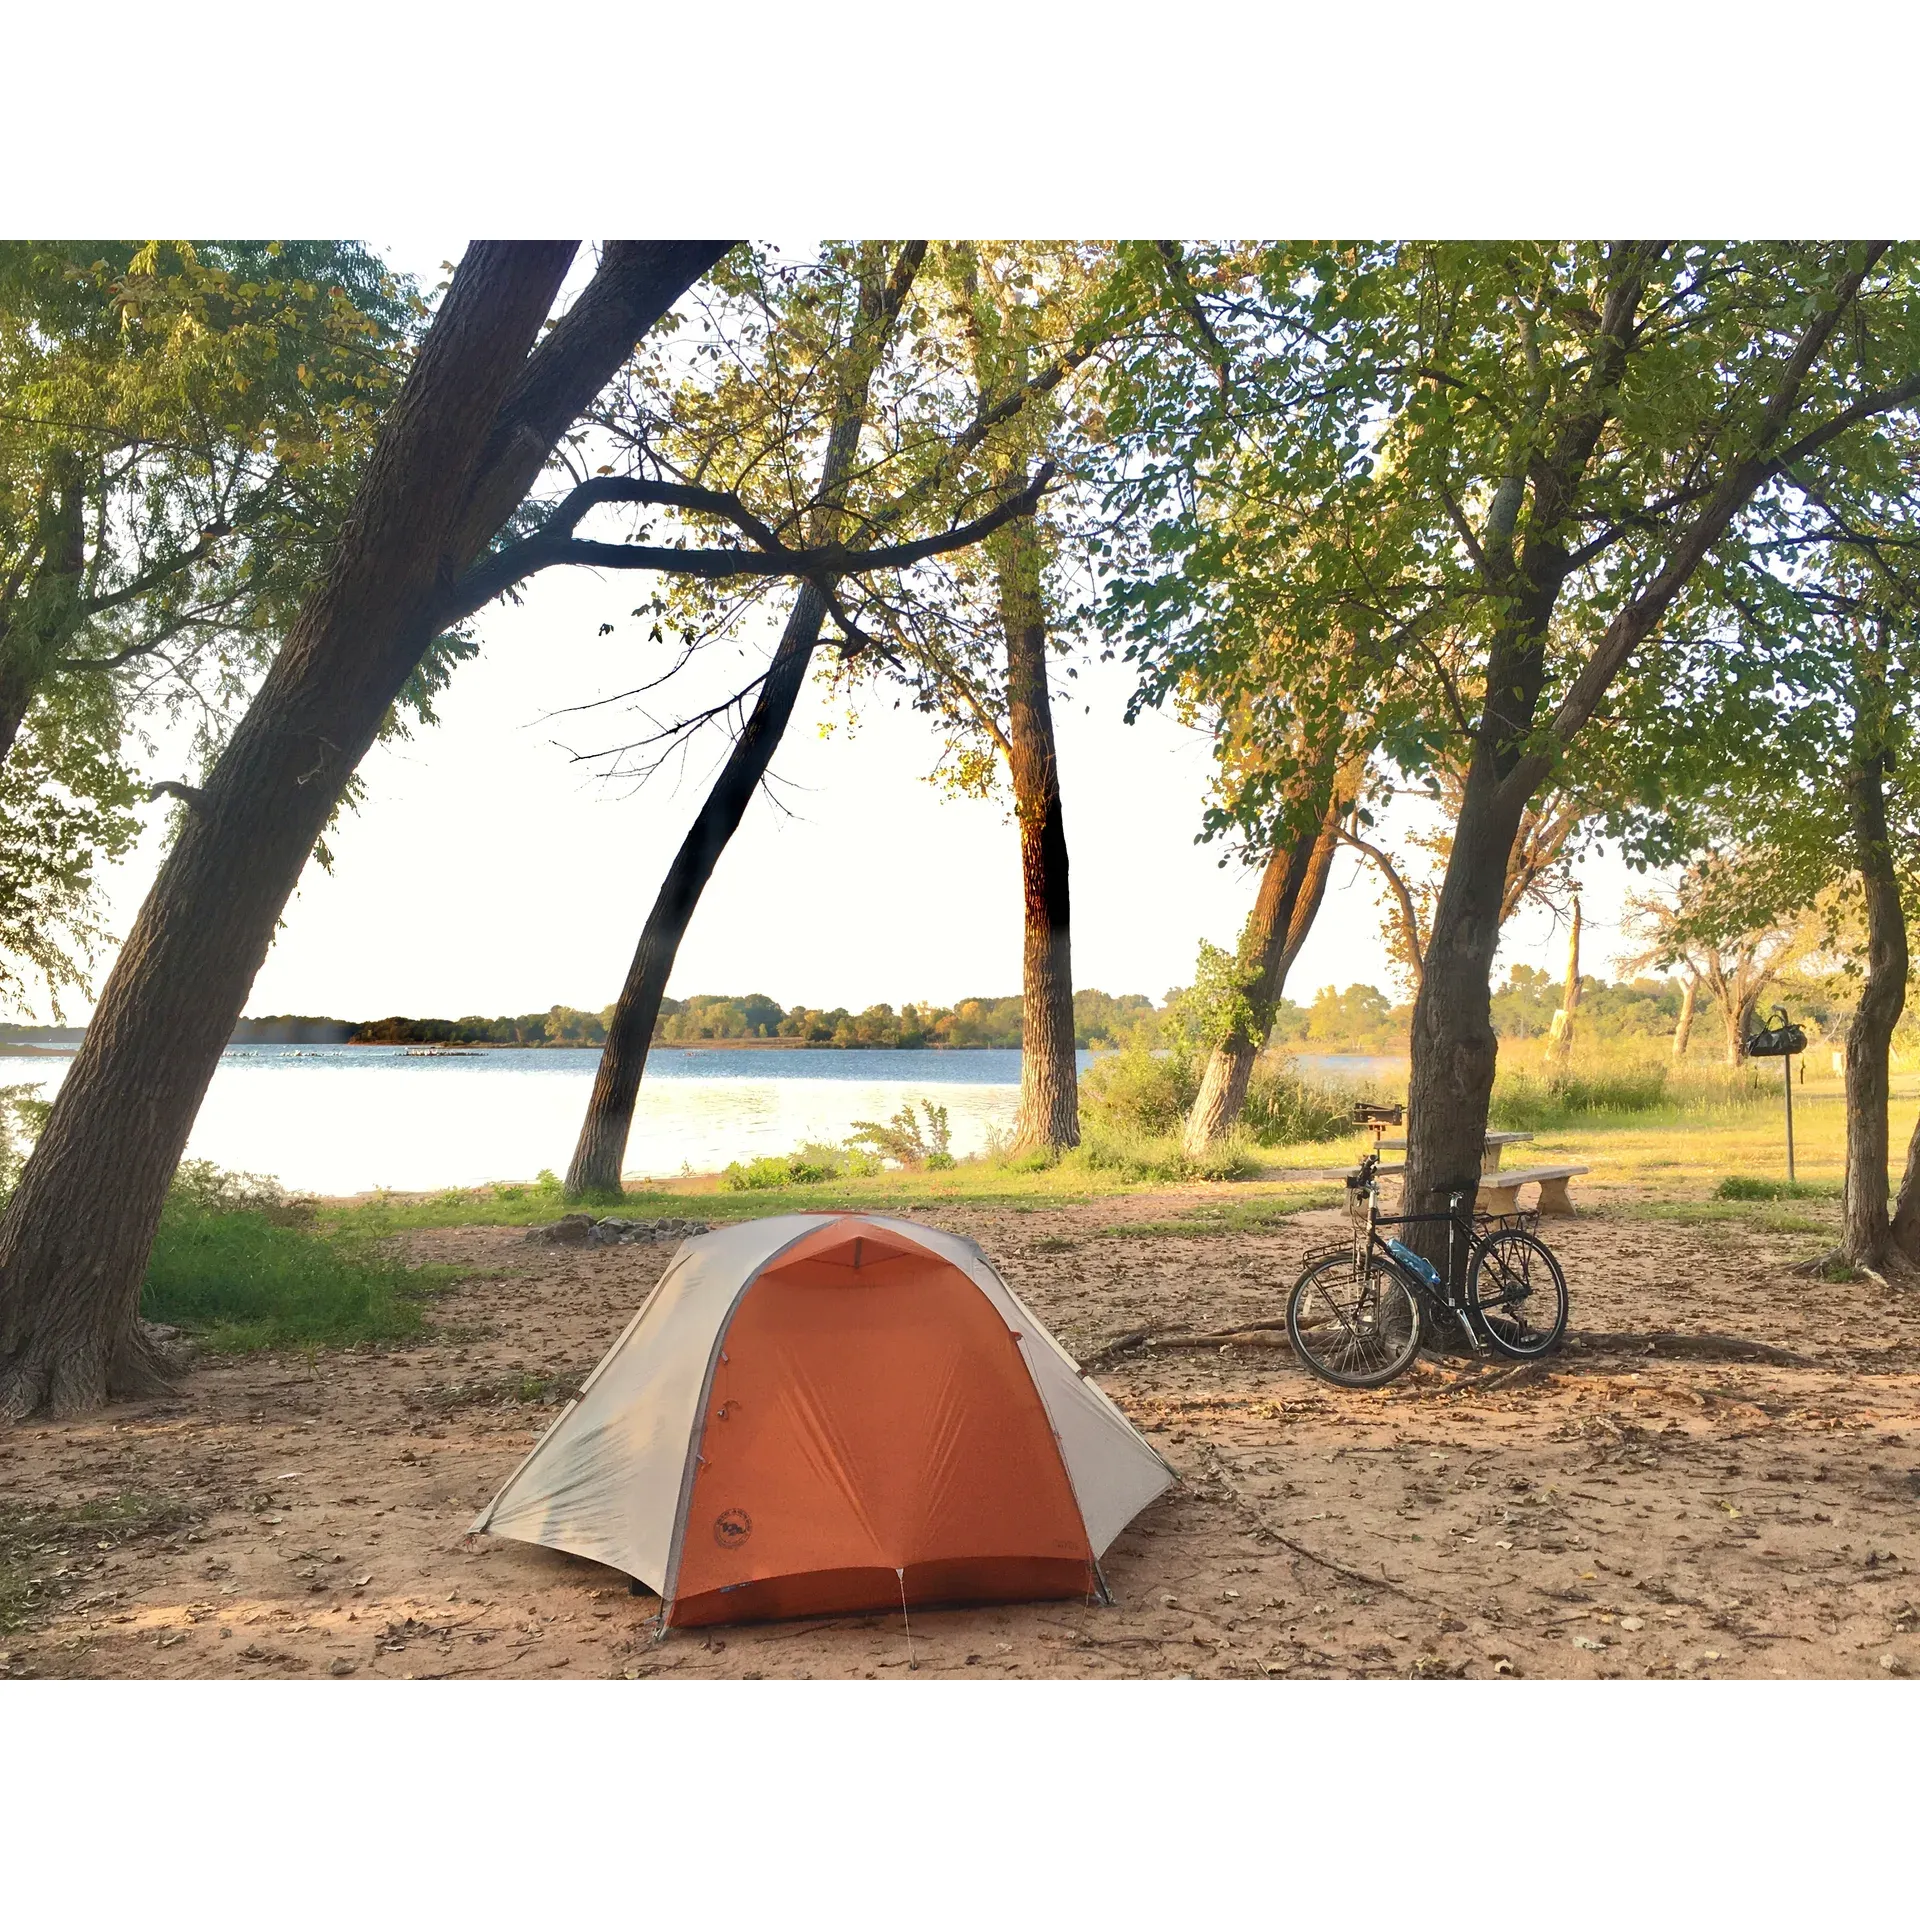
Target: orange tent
(834,1413)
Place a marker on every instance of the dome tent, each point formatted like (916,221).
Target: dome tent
(828,1413)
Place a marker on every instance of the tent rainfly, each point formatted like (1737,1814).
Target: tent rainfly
(834,1413)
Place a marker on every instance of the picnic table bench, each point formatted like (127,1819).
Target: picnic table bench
(1500,1192)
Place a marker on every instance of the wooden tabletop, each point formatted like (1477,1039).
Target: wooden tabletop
(1491,1140)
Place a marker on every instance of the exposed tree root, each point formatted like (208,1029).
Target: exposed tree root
(1689,1346)
(79,1377)
(1175,1336)
(1893,1270)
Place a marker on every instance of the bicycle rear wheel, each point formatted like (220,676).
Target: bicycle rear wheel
(1517,1293)
(1354,1326)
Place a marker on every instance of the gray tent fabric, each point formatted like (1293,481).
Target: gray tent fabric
(607,1479)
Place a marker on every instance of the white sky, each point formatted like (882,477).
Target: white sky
(486,872)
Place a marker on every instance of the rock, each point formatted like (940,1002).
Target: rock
(1632,1623)
(570,1230)
(340,1668)
(1894,1664)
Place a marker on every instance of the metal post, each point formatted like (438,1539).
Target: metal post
(1787,1062)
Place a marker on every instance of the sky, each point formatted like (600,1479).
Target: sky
(490,871)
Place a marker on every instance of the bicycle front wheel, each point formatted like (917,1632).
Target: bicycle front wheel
(1517,1293)
(1355,1326)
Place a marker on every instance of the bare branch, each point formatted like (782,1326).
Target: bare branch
(500,571)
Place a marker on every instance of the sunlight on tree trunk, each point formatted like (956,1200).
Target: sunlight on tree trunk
(1291,889)
(1049,1116)
(1560,1035)
(1683,1029)
(1866,1232)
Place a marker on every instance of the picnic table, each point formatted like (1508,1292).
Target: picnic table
(1500,1187)
(1489,1151)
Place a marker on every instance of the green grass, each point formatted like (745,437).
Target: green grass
(241,1280)
(40,1544)
(1744,1186)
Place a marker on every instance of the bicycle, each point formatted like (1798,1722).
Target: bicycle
(1358,1314)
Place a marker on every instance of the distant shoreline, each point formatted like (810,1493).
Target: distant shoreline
(23,1050)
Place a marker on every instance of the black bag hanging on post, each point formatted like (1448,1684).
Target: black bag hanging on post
(1774,1038)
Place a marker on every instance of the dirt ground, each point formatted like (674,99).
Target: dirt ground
(1746,1506)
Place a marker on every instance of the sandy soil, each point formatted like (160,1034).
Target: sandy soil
(1630,1510)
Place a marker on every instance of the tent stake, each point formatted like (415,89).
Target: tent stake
(900,1574)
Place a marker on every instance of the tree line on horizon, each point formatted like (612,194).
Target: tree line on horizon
(1358,1019)
(1513,547)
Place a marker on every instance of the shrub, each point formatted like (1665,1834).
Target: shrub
(200,1184)
(901,1139)
(1134,1092)
(809,1164)
(1283,1110)
(1525,1100)
(1136,1155)
(1745,1186)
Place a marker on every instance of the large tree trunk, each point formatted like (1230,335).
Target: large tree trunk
(1450,1084)
(1560,1038)
(1866,1231)
(1291,889)
(1049,1115)
(470,431)
(1737,1000)
(602,1147)
(600,1153)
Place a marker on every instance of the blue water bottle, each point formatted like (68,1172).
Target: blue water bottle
(1421,1269)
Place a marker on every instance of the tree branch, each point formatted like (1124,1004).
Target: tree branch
(1403,899)
(179,790)
(1737,486)
(494,575)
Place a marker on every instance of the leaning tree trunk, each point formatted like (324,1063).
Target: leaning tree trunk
(1291,889)
(1866,1231)
(471,429)
(1049,1115)
(1683,1028)
(602,1147)
(600,1153)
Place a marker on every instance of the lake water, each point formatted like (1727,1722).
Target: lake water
(349,1119)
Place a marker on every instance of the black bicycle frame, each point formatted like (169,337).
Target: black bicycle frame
(1447,1292)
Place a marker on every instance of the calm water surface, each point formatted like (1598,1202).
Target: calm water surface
(349,1119)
